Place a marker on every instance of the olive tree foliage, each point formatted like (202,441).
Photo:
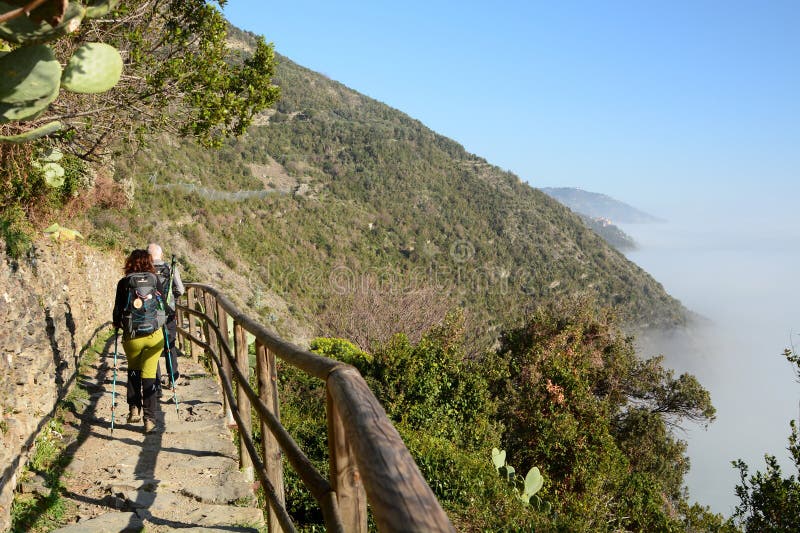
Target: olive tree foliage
(768,500)
(179,74)
(80,76)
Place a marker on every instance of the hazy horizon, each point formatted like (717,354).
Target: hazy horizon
(748,291)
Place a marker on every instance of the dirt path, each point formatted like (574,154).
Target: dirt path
(182,478)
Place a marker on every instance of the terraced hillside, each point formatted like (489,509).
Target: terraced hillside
(334,195)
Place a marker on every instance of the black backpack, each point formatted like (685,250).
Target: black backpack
(164,274)
(144,311)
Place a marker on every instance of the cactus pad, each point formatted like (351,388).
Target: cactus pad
(498,458)
(28,73)
(25,30)
(41,131)
(53,173)
(52,155)
(93,68)
(25,110)
(533,482)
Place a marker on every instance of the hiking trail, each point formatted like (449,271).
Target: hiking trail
(184,477)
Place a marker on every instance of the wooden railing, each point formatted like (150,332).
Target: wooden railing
(369,463)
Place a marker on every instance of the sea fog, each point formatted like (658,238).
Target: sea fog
(742,277)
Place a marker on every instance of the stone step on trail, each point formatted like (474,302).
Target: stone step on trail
(184,477)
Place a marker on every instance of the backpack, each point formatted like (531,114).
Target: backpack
(144,311)
(164,274)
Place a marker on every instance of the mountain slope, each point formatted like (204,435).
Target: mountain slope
(610,233)
(334,191)
(596,205)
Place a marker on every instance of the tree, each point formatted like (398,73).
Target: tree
(178,74)
(770,502)
(371,312)
(579,404)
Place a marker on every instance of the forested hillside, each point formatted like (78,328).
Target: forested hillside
(333,192)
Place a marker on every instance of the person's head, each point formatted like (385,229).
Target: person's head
(139,261)
(155,251)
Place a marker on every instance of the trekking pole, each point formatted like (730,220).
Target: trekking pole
(114,382)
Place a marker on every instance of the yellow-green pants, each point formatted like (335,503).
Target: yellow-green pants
(143,353)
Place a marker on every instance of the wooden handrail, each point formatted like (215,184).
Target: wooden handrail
(310,363)
(317,484)
(367,453)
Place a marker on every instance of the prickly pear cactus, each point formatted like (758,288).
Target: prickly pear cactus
(52,155)
(498,458)
(28,73)
(93,68)
(25,110)
(533,482)
(30,135)
(53,173)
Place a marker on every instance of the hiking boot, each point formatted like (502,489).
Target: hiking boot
(135,414)
(149,426)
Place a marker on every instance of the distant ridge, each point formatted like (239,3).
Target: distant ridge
(596,205)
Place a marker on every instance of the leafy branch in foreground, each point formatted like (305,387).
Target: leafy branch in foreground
(768,500)
(154,66)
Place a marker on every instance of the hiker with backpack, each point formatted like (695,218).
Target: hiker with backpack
(169,277)
(139,312)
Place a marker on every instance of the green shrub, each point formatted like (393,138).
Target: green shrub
(578,403)
(16,231)
(341,350)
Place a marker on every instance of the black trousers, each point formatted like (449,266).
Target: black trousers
(142,393)
(170,354)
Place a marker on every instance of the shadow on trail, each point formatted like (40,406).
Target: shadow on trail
(85,419)
(88,425)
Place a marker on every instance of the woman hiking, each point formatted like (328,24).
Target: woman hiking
(139,312)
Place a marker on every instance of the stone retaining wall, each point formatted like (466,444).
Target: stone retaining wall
(52,305)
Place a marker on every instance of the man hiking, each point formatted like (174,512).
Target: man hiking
(164,272)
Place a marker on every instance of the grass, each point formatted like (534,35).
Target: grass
(33,512)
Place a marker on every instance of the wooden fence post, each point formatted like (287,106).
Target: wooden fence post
(210,309)
(222,322)
(345,478)
(268,393)
(190,325)
(242,401)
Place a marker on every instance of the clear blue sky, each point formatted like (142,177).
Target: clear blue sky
(679,106)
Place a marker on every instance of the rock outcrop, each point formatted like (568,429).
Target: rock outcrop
(53,302)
